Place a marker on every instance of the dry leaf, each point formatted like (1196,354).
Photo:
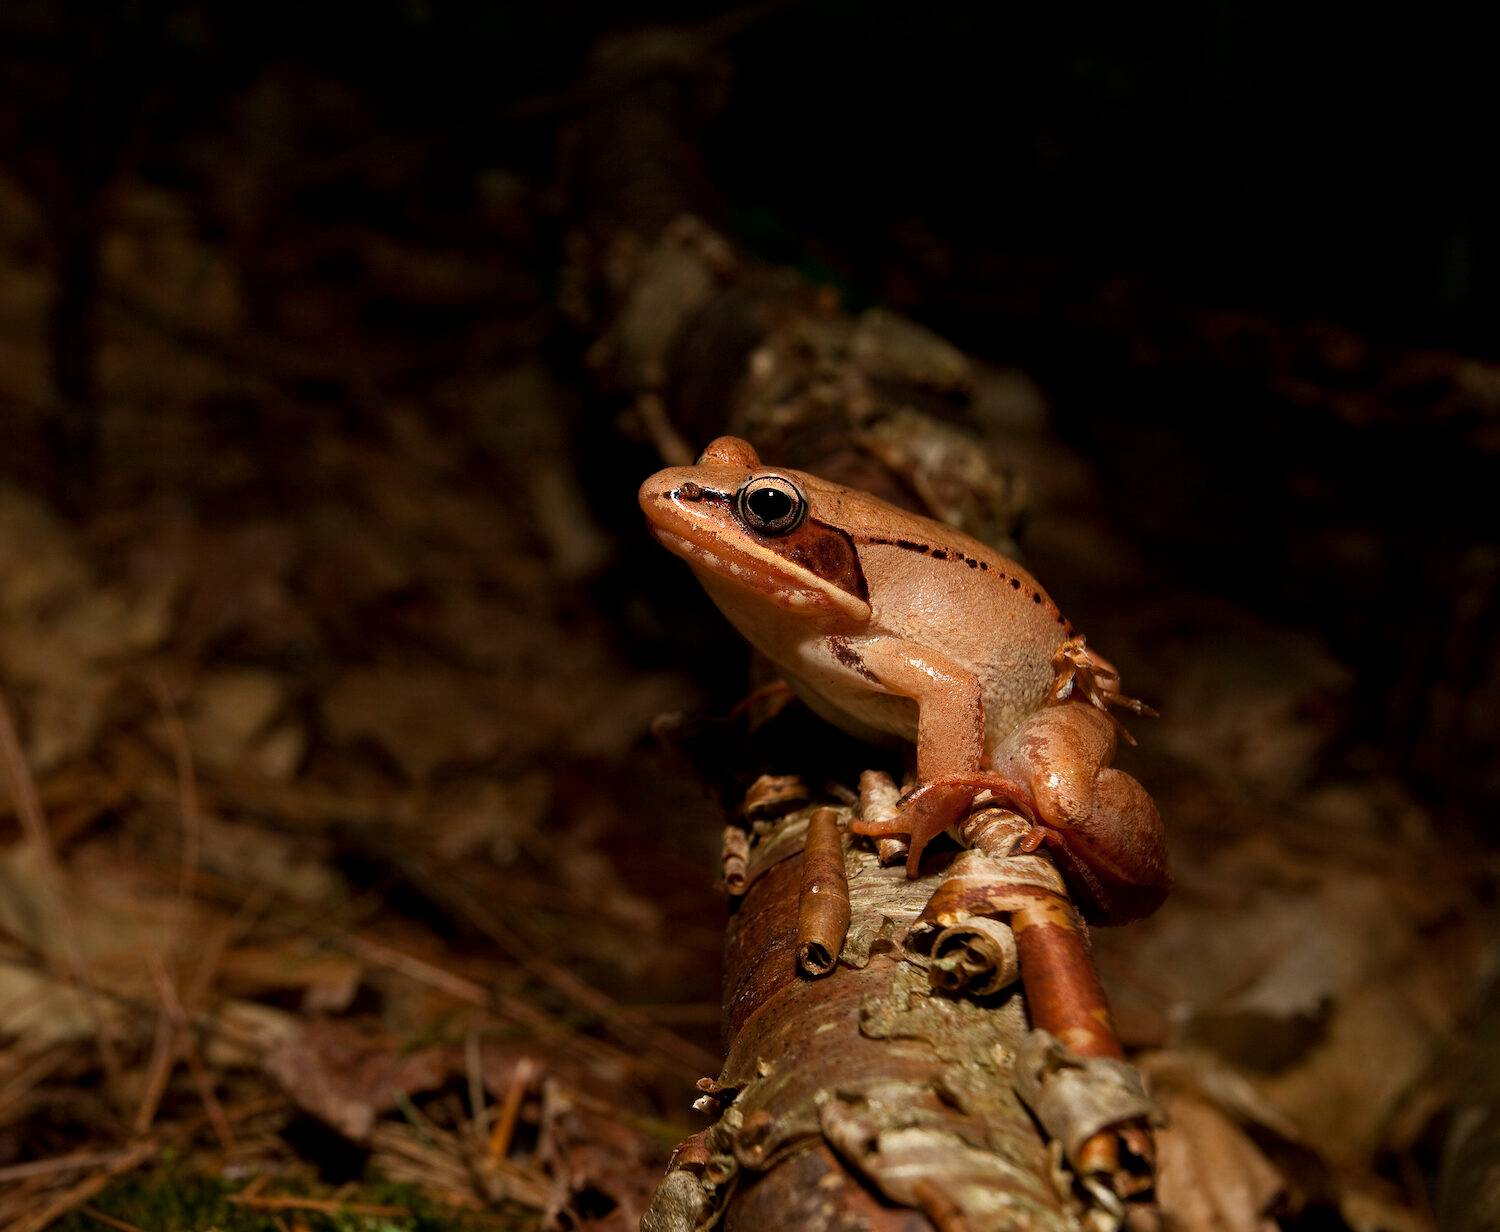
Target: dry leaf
(1211,1177)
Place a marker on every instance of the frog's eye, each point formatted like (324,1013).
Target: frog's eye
(771,505)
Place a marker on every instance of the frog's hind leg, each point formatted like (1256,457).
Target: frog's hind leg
(1100,824)
(1056,755)
(1115,857)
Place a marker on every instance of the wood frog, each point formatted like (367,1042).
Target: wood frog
(894,626)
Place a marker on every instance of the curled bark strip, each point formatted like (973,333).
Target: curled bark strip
(878,795)
(1062,987)
(977,957)
(780,843)
(859,1083)
(823,914)
(692,1153)
(995,831)
(1075,1097)
(1067,1001)
(774,795)
(977,884)
(736,860)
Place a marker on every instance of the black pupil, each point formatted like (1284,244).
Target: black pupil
(769,504)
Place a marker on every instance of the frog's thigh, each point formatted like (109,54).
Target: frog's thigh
(950,701)
(1059,752)
(1115,856)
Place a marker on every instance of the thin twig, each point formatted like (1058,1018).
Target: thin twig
(76,1195)
(478,1109)
(510,1111)
(320,1206)
(109,1221)
(61,1163)
(201,1079)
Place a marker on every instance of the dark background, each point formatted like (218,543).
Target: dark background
(1172,220)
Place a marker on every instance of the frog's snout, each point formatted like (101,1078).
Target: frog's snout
(661,498)
(650,493)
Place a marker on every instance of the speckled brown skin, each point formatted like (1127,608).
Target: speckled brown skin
(891,625)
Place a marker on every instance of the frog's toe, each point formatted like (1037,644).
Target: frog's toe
(1002,790)
(882,827)
(929,811)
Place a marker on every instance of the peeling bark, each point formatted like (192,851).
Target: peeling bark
(864,1076)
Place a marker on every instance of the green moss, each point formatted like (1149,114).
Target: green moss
(168,1200)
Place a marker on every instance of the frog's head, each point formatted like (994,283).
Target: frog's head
(748,528)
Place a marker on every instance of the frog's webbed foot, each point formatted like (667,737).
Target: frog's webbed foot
(937,804)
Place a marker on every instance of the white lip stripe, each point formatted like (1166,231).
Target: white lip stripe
(813,586)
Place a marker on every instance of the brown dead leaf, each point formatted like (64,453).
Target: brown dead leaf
(1346,1093)
(229,710)
(603,1170)
(260,856)
(1211,1177)
(347,1073)
(327,981)
(1242,700)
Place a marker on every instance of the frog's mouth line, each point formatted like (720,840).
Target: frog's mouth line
(766,573)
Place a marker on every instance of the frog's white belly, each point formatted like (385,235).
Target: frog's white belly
(880,718)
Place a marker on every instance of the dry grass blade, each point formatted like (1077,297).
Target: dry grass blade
(109,1221)
(201,1080)
(478,1109)
(75,1196)
(425,1155)
(510,1110)
(320,1206)
(416,969)
(30,1075)
(28,806)
(158,1071)
(63,1163)
(187,794)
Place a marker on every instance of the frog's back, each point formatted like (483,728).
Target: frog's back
(946,590)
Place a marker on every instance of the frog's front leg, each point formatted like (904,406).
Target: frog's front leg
(1102,828)
(950,736)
